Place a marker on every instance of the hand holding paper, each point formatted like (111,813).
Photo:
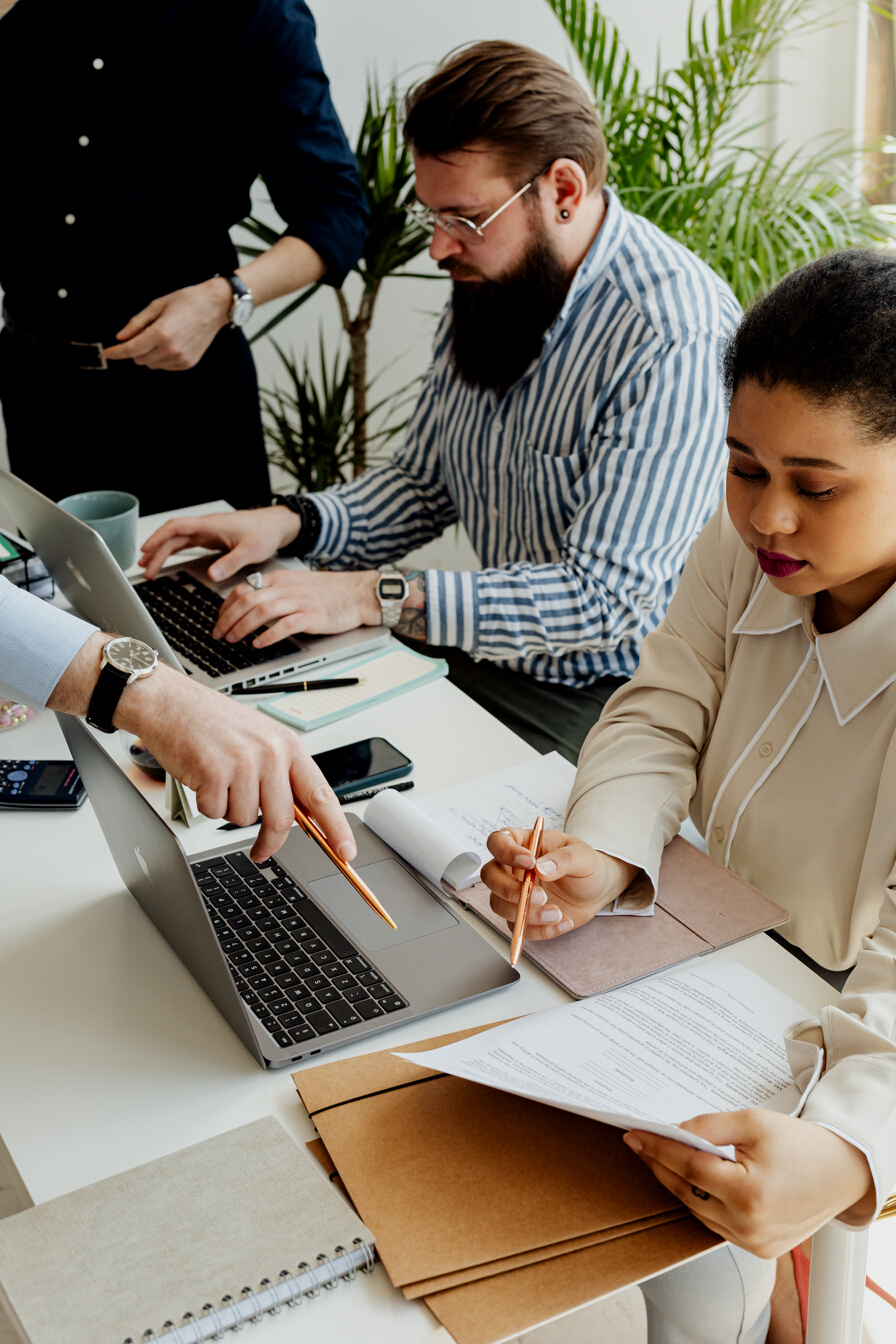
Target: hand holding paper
(789,1178)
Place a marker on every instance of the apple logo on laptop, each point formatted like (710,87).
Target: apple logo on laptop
(143,864)
(69,564)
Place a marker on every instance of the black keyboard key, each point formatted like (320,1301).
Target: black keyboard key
(231,944)
(282,1038)
(306,1005)
(368,978)
(250,968)
(267,924)
(329,995)
(353,995)
(342,981)
(287,981)
(218,922)
(293,924)
(270,994)
(336,969)
(334,940)
(260,981)
(324,958)
(316,982)
(265,958)
(392,1004)
(276,968)
(243,865)
(321,1022)
(291,1019)
(201,865)
(283,883)
(314,946)
(259,944)
(255,878)
(344,1014)
(279,1006)
(303,1033)
(368,1008)
(378,991)
(240,958)
(303,967)
(356,964)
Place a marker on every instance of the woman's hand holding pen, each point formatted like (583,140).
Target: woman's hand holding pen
(573,880)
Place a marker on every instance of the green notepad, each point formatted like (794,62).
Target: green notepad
(386,674)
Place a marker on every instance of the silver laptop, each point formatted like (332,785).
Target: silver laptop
(286,950)
(175,613)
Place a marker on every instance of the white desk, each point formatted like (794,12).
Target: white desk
(111,1055)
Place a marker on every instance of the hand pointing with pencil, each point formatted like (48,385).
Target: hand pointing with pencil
(571,881)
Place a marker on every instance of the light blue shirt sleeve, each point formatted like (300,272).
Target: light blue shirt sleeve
(37,643)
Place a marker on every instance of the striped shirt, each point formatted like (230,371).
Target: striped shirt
(582,488)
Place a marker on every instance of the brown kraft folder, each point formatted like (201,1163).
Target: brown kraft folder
(700,906)
(491,1207)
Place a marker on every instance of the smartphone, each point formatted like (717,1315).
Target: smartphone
(361,764)
(46,784)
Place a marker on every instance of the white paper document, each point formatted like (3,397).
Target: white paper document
(646,1056)
(429,847)
(512,797)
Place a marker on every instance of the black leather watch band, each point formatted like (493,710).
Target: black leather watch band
(106,695)
(312,522)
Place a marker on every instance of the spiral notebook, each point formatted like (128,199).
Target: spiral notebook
(180,1249)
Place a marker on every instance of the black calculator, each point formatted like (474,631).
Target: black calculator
(40,784)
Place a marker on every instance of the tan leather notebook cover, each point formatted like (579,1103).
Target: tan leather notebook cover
(700,906)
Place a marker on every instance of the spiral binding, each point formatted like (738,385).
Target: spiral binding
(193,1329)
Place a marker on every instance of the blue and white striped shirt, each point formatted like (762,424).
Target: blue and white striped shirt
(583,488)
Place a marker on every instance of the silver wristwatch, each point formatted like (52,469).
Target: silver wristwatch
(392,590)
(124,660)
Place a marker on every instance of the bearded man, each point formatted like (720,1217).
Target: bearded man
(572,419)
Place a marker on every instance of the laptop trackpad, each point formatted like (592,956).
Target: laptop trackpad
(415,912)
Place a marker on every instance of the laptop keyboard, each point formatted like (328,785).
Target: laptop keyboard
(294,970)
(186,612)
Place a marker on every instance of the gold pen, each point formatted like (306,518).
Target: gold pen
(522,913)
(311,828)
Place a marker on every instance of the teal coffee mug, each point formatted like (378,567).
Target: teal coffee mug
(112,513)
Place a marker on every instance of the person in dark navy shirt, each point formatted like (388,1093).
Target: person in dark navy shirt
(133,135)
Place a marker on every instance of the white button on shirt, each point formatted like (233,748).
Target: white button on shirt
(69,219)
(782,744)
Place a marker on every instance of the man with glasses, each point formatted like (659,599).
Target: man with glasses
(572,419)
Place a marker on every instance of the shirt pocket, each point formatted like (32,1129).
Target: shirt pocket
(543,498)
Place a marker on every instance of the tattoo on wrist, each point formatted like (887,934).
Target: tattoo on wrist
(412,621)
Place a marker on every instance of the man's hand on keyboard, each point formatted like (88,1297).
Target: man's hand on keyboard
(299,602)
(248,536)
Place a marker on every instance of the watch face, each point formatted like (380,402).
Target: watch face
(242,310)
(392,590)
(130,655)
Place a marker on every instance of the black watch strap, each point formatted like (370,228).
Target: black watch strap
(106,694)
(312,522)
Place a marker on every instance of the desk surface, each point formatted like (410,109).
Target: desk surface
(111,1055)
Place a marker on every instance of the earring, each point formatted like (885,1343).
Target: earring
(564,214)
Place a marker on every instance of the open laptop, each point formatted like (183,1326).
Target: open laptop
(286,950)
(174,613)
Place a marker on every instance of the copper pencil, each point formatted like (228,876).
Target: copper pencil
(311,828)
(522,914)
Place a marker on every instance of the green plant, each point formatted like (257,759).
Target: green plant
(310,426)
(677,151)
(393,241)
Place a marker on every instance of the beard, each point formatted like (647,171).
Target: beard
(498,325)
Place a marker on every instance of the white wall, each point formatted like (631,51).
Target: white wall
(405,38)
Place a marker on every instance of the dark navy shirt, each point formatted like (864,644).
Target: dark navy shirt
(132,131)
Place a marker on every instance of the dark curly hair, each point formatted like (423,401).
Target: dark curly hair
(828,330)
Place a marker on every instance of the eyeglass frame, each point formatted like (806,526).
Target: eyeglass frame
(430,218)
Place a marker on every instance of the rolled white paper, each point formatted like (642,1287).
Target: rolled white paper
(427,846)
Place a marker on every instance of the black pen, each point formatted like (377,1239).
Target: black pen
(359,797)
(399,786)
(274,688)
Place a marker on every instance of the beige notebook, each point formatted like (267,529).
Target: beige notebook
(186,1247)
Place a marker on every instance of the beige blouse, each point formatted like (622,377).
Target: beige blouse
(780,743)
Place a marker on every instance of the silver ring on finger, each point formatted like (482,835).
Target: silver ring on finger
(700,1194)
(254,580)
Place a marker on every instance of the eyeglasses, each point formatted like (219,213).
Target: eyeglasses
(458,226)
